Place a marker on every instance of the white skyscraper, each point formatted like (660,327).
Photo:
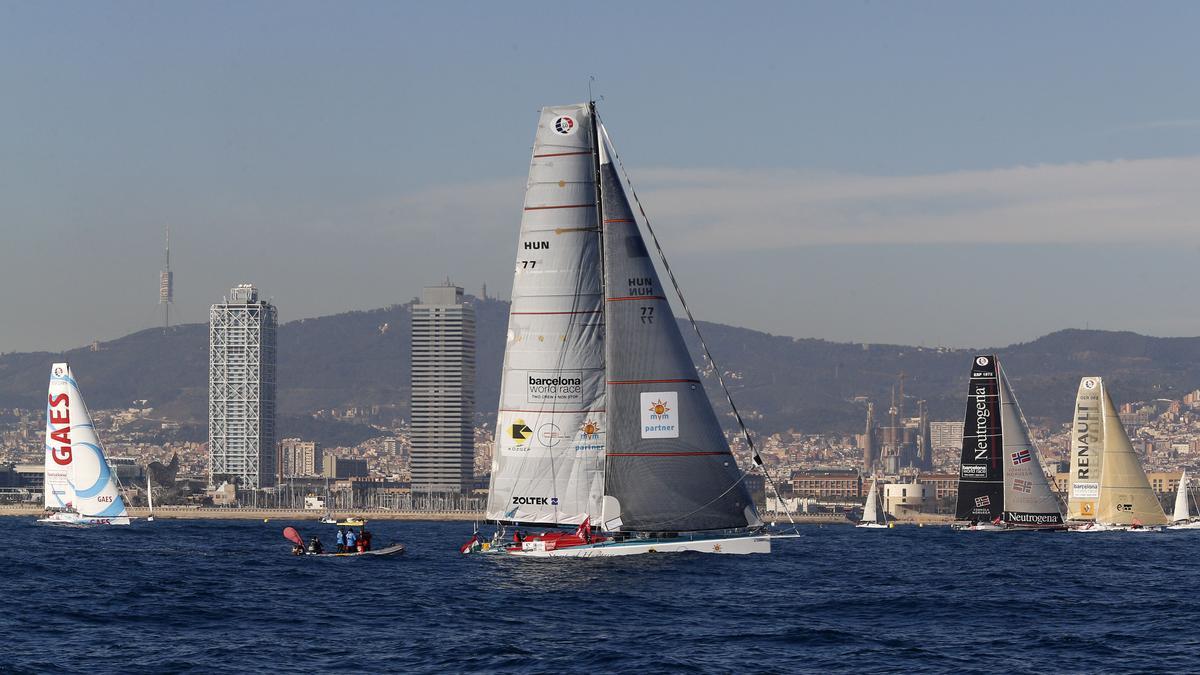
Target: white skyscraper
(241,389)
(443,391)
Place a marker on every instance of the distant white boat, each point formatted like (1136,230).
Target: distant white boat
(80,486)
(149,499)
(873,517)
(1181,519)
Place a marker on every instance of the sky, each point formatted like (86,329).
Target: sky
(935,173)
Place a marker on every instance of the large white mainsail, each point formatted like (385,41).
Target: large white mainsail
(1181,501)
(71,441)
(1126,496)
(551,428)
(56,490)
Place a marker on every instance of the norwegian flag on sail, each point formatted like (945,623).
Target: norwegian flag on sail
(1021,456)
(1022,485)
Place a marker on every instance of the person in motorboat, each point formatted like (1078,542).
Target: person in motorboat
(341,540)
(297,549)
(364,540)
(314,545)
(351,539)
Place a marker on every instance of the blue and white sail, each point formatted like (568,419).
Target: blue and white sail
(82,481)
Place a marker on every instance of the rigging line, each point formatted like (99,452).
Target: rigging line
(704,346)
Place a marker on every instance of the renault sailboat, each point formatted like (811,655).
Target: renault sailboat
(1001,485)
(80,487)
(1108,489)
(604,426)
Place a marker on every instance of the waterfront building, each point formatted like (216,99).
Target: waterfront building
(343,468)
(241,389)
(443,392)
(831,484)
(299,458)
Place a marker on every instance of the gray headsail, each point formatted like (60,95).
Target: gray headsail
(669,465)
(1028,499)
(548,464)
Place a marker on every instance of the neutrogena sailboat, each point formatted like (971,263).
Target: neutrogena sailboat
(1108,489)
(1001,485)
(604,425)
(873,516)
(80,487)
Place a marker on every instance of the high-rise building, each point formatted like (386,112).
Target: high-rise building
(869,446)
(443,391)
(241,389)
(299,458)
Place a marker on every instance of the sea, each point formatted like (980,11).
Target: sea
(200,596)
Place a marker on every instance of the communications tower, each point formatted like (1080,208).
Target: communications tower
(166,284)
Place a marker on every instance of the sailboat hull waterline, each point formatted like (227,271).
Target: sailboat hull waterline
(726,545)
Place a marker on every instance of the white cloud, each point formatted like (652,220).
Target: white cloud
(1151,201)
(1146,201)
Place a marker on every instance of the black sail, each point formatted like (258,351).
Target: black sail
(981,467)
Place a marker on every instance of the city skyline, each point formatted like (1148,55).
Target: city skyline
(865,180)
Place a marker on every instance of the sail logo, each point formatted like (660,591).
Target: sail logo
(549,435)
(519,432)
(535,501)
(974,471)
(565,125)
(1085,437)
(1085,490)
(1021,456)
(588,438)
(983,502)
(982,361)
(1089,384)
(61,454)
(537,246)
(983,416)
(1022,485)
(660,414)
(555,387)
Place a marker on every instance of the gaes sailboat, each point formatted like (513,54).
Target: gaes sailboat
(80,487)
(604,425)
(1108,489)
(1181,519)
(1001,485)
(873,516)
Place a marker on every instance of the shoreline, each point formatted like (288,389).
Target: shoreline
(187,513)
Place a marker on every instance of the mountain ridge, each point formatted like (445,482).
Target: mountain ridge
(361,358)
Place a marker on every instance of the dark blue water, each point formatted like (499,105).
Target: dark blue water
(199,596)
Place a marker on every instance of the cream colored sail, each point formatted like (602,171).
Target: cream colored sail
(1125,493)
(1087,451)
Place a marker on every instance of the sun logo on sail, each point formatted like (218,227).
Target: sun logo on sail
(564,125)
(590,428)
(659,407)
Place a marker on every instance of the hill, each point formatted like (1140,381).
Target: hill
(362,359)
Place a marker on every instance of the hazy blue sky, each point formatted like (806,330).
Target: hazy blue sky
(936,173)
